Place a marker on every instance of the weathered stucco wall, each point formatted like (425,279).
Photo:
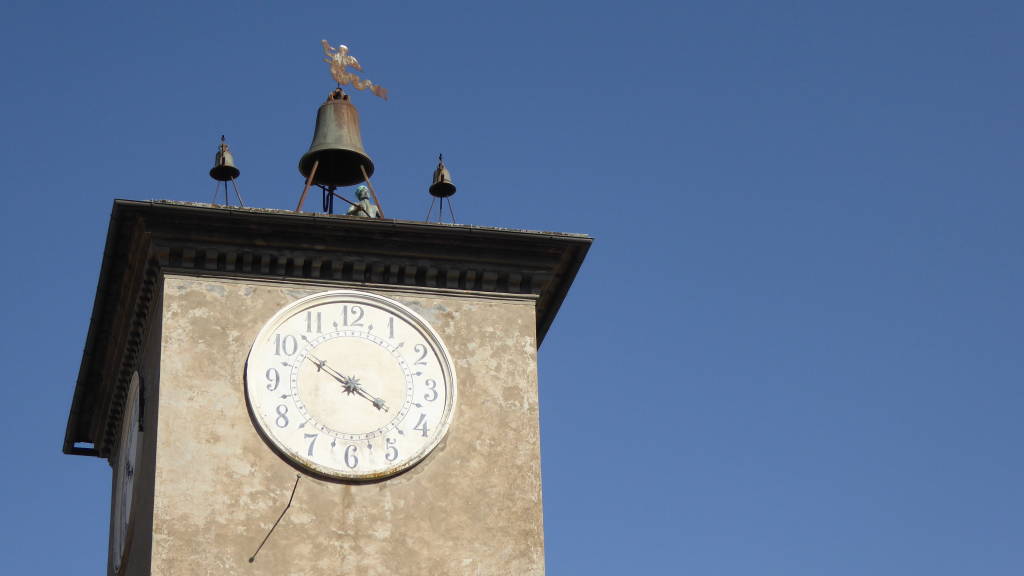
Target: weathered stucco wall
(472,507)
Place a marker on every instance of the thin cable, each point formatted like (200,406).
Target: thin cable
(289,505)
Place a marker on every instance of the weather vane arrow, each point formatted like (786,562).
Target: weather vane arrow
(340,60)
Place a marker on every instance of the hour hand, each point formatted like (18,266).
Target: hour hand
(322,365)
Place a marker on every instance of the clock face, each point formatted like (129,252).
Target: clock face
(350,385)
(127,454)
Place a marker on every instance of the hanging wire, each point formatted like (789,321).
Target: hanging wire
(274,527)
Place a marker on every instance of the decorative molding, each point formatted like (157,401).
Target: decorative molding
(146,239)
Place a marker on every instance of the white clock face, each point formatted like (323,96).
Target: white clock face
(350,385)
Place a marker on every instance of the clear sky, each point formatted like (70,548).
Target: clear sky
(795,347)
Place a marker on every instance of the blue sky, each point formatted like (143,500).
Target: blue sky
(795,347)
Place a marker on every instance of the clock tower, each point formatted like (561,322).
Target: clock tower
(296,393)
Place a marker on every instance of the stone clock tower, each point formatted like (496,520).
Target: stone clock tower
(405,438)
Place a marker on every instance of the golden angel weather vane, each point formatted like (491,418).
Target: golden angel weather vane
(340,60)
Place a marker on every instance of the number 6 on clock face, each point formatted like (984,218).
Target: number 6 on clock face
(350,385)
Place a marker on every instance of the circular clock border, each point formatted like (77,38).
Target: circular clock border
(412,318)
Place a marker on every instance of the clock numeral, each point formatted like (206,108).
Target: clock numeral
(282,416)
(353,318)
(313,322)
(422,351)
(351,460)
(312,441)
(421,425)
(273,379)
(287,345)
(391,327)
(431,394)
(392,452)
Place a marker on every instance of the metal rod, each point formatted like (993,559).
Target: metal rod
(239,195)
(309,182)
(349,202)
(451,210)
(431,209)
(372,191)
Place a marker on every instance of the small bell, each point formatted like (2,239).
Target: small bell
(224,164)
(442,186)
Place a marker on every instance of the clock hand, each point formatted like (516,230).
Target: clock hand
(351,385)
(322,365)
(378,403)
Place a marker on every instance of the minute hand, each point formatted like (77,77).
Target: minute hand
(351,386)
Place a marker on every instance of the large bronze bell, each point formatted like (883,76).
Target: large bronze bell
(337,148)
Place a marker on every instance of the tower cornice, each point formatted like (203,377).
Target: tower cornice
(151,238)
